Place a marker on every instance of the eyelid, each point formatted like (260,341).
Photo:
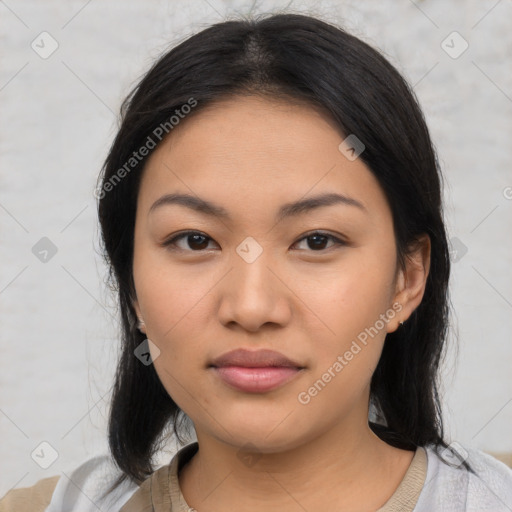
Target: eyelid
(177,236)
(321,232)
(336,239)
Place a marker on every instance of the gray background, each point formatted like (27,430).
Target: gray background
(58,322)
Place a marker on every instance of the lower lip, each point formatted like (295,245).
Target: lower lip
(256,380)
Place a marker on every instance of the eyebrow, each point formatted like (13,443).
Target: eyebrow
(287,210)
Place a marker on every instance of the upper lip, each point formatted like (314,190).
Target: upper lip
(254,359)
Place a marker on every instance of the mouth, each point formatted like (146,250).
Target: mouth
(255,371)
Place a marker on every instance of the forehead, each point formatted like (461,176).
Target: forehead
(256,151)
(240,125)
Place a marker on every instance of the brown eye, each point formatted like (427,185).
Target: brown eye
(194,241)
(317,241)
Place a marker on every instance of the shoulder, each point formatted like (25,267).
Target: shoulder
(79,489)
(450,487)
(30,499)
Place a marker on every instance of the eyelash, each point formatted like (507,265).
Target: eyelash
(172,241)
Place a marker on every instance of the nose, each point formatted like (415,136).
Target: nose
(253,294)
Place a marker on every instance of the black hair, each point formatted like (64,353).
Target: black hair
(293,58)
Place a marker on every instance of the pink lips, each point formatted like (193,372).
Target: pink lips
(255,371)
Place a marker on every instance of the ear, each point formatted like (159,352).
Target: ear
(136,306)
(411,281)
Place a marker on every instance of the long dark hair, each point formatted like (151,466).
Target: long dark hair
(297,58)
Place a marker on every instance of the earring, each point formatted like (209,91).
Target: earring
(401,324)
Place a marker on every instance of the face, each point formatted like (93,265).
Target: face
(318,284)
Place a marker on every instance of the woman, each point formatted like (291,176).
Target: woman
(271,214)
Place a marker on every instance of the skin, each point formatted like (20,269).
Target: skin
(201,299)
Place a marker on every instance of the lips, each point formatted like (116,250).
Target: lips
(255,371)
(254,359)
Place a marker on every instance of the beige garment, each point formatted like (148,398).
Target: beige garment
(161,492)
(30,499)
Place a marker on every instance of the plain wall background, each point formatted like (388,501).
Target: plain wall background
(58,323)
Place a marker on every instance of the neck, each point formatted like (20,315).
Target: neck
(337,471)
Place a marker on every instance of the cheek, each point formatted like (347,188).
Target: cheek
(175,304)
(175,314)
(349,296)
(347,327)
(170,294)
(348,350)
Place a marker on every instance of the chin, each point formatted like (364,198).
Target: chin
(264,436)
